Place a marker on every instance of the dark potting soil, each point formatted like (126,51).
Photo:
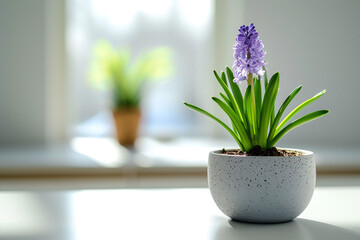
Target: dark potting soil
(258,151)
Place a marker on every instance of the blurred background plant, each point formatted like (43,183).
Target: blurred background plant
(115,70)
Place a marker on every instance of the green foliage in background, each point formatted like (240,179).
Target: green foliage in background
(115,69)
(252,115)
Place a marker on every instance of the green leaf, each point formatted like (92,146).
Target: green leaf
(272,116)
(230,96)
(258,99)
(249,113)
(281,111)
(226,99)
(265,79)
(307,118)
(269,99)
(272,111)
(238,96)
(246,141)
(233,134)
(223,77)
(298,109)
(236,91)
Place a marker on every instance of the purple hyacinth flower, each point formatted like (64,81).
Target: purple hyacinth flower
(248,53)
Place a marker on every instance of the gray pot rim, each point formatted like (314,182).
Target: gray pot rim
(304,153)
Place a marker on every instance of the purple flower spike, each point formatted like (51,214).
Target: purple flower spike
(248,53)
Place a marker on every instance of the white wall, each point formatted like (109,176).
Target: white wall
(22,82)
(311,43)
(28,69)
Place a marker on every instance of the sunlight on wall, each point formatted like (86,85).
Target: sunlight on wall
(121,15)
(195,14)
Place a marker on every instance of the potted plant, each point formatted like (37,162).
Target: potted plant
(258,182)
(114,69)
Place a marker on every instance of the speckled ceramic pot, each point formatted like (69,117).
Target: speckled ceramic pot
(262,189)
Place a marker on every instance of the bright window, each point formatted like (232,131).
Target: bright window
(183,25)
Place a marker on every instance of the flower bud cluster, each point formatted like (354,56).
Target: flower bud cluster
(248,53)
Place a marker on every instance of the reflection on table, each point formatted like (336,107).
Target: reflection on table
(334,213)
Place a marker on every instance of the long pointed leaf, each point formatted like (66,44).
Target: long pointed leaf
(266,82)
(307,118)
(272,109)
(246,141)
(233,134)
(269,99)
(227,101)
(249,113)
(258,99)
(272,115)
(281,111)
(238,96)
(223,77)
(228,93)
(236,91)
(298,109)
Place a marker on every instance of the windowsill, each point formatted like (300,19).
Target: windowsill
(103,156)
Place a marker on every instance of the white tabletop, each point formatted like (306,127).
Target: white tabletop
(334,213)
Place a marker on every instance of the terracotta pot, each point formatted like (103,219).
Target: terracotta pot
(127,125)
(262,189)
